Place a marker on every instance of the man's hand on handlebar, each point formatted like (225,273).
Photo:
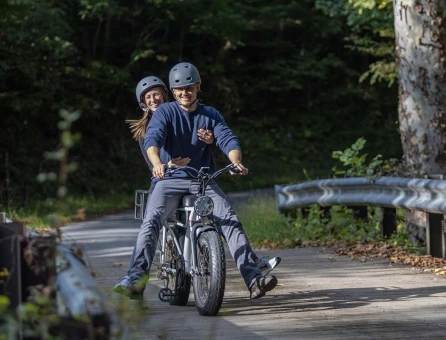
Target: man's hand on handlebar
(159,170)
(241,170)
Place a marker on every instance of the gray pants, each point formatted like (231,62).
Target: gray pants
(165,198)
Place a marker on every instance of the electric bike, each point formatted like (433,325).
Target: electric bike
(190,247)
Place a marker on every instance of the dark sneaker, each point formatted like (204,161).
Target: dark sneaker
(266,264)
(134,292)
(262,285)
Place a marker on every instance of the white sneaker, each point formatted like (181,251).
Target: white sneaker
(266,264)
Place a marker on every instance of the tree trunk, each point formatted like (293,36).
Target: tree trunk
(420,30)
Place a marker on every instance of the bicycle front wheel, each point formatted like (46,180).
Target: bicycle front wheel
(209,282)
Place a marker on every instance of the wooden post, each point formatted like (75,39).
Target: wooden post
(305,212)
(325,212)
(435,235)
(388,223)
(435,230)
(360,213)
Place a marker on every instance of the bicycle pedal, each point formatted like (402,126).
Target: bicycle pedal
(165,295)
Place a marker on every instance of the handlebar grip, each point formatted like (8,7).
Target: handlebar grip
(235,170)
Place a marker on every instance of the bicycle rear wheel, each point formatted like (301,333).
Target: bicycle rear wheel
(171,268)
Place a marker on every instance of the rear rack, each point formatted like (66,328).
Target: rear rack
(141,198)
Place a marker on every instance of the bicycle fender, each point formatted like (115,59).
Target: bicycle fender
(196,235)
(204,229)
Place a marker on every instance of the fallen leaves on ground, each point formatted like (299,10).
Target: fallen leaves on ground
(362,251)
(395,254)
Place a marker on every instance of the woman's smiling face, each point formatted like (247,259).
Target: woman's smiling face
(154,98)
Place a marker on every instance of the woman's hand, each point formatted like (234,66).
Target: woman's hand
(179,161)
(205,136)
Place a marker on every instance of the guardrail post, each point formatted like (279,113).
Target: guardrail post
(291,213)
(10,265)
(435,230)
(325,212)
(435,235)
(2,217)
(388,223)
(359,213)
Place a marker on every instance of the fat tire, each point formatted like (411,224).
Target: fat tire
(182,285)
(208,299)
(182,279)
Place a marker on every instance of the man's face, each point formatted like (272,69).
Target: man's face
(186,95)
(154,98)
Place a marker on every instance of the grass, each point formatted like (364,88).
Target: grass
(264,227)
(50,213)
(267,229)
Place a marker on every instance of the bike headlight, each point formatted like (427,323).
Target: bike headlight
(204,206)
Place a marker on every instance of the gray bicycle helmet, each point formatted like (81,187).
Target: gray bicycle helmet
(148,83)
(183,74)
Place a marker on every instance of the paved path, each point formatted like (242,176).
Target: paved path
(321,295)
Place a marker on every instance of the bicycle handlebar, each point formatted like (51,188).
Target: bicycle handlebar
(197,174)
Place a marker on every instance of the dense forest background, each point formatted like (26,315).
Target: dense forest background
(295,80)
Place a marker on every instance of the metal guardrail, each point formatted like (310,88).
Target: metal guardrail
(78,295)
(415,194)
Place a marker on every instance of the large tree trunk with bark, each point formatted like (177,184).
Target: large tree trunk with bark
(420,30)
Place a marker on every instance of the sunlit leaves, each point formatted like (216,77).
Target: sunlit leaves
(99,8)
(371,22)
(4,303)
(142,54)
(381,71)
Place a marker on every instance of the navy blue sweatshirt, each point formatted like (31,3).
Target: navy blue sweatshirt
(174,131)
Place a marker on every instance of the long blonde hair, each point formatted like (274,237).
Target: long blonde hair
(139,126)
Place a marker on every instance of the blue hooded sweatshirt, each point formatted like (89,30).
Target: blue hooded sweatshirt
(174,131)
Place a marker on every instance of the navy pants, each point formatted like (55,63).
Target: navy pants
(164,199)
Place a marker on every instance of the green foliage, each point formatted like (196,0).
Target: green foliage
(339,226)
(4,303)
(285,77)
(372,33)
(47,213)
(263,225)
(355,163)
(266,228)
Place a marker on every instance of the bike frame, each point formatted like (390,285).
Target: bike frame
(194,225)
